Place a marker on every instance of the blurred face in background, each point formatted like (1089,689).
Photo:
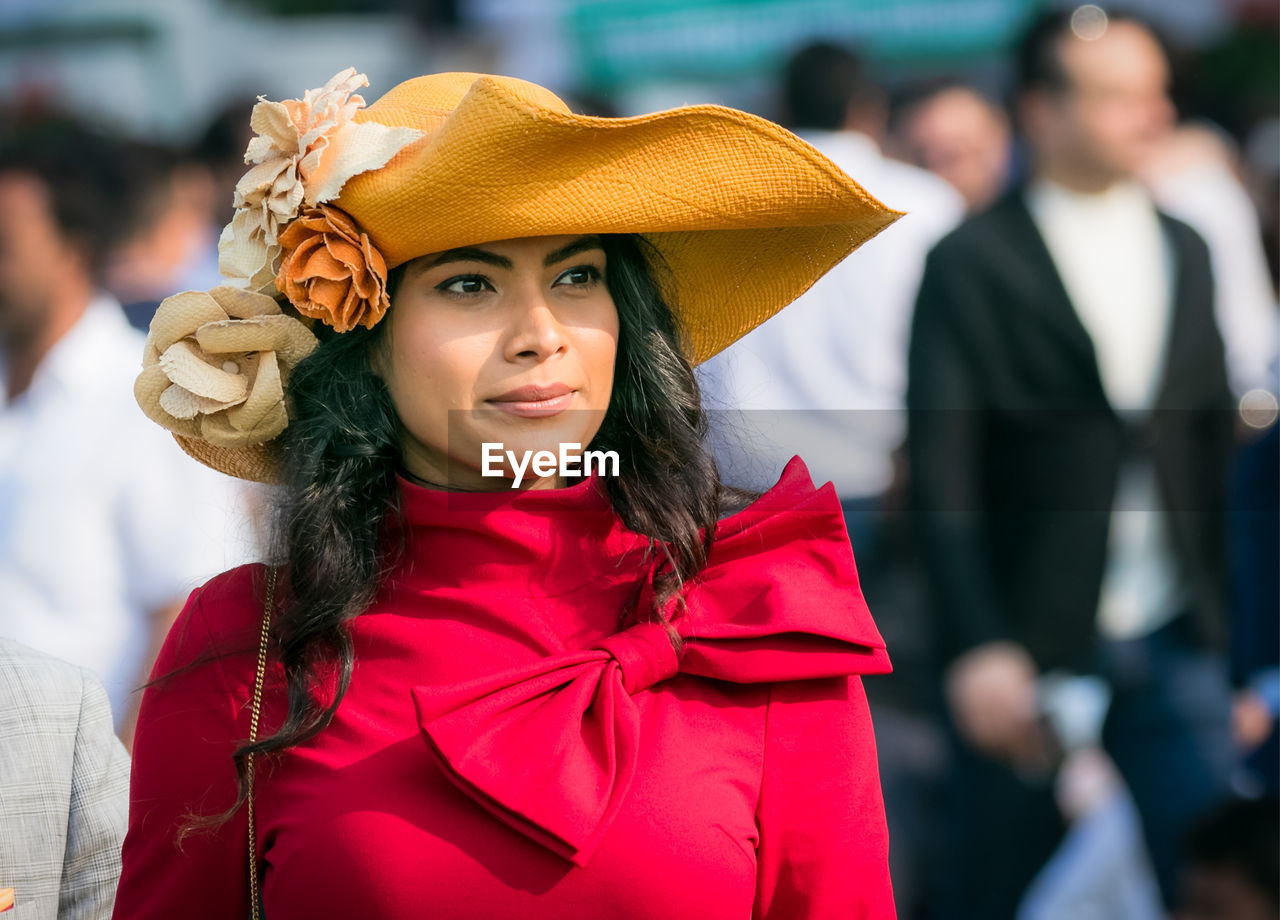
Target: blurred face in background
(1112,114)
(37,261)
(960,136)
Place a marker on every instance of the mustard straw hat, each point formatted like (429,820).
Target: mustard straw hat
(744,216)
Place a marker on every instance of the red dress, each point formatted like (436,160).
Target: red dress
(511,747)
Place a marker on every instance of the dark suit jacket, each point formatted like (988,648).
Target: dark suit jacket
(1015,450)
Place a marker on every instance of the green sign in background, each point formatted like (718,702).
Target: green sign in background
(637,41)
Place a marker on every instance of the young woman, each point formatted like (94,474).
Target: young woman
(612,691)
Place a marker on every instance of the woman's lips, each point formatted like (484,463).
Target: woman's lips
(534,408)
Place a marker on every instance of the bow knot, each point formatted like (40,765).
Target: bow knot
(645,655)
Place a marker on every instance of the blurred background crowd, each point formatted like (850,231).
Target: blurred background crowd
(1049,409)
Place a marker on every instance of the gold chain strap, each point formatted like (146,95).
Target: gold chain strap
(253,736)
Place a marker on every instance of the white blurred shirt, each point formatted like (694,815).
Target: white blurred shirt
(103,519)
(826,377)
(1118,269)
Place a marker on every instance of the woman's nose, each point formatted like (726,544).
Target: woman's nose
(536,331)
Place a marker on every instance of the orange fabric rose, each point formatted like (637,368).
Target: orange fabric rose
(331,271)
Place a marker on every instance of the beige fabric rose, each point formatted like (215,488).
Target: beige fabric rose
(304,152)
(215,365)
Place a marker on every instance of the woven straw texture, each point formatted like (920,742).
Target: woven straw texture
(257,462)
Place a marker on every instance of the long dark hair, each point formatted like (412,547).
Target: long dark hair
(339,502)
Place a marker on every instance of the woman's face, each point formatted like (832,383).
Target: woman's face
(508,343)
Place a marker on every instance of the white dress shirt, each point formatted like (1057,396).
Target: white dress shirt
(826,377)
(1117,267)
(103,519)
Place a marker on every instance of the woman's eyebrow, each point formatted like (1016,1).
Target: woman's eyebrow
(470,254)
(475,254)
(581,244)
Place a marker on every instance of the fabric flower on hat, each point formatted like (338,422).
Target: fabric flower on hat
(304,152)
(331,271)
(215,365)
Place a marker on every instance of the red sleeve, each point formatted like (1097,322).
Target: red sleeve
(824,846)
(188,726)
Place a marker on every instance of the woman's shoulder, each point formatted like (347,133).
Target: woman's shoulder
(233,588)
(221,619)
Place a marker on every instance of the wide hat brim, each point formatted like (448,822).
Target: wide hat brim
(745,215)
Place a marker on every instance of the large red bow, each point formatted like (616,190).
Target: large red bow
(550,748)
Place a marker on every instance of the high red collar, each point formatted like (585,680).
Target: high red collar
(778,600)
(427,505)
(546,541)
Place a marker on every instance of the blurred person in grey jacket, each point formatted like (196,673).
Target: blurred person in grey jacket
(64,789)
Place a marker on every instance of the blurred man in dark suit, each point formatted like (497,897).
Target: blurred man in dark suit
(1069,433)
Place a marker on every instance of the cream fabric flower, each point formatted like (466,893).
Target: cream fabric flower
(304,152)
(215,365)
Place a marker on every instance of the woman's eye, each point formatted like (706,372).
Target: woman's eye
(581,276)
(464,285)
